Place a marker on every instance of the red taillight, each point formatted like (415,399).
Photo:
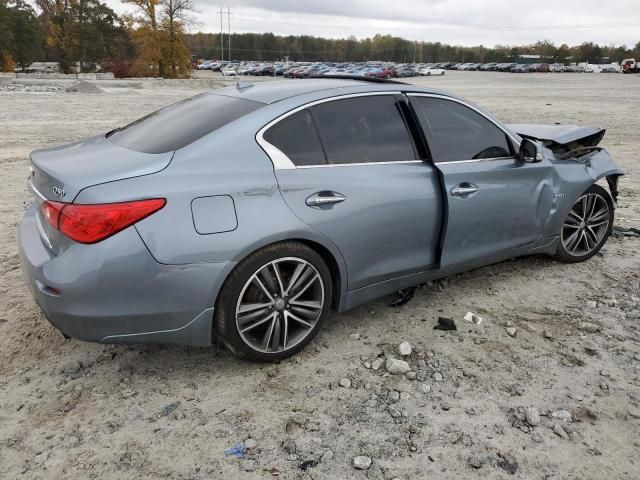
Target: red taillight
(94,223)
(51,212)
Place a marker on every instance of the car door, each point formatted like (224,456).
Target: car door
(495,203)
(348,168)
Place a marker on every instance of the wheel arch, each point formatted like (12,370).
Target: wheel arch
(329,253)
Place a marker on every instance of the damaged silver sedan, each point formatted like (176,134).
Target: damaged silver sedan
(249,213)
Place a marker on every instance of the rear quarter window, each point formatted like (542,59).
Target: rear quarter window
(182,123)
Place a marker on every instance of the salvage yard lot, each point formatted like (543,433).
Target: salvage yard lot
(75,410)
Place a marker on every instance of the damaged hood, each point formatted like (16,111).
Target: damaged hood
(560,137)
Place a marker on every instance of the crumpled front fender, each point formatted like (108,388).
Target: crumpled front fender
(572,177)
(602,165)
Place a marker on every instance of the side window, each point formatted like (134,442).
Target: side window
(363,130)
(455,132)
(296,136)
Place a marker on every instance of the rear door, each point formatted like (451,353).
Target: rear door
(348,168)
(495,202)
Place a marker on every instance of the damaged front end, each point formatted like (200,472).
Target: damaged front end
(573,143)
(565,141)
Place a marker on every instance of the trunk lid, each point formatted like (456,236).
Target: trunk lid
(60,173)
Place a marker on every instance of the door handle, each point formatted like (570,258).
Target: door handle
(464,190)
(324,199)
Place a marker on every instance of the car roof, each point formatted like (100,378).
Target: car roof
(274,91)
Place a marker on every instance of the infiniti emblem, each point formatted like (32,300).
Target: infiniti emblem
(58,191)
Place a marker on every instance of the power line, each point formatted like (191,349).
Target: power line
(220,12)
(229,22)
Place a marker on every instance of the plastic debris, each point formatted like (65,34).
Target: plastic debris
(445,324)
(473,318)
(238,450)
(403,297)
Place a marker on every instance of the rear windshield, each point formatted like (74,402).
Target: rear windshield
(182,123)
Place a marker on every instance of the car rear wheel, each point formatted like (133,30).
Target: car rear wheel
(274,302)
(587,227)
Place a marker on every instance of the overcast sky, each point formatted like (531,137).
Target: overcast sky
(459,22)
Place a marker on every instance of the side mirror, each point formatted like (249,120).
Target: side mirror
(529,151)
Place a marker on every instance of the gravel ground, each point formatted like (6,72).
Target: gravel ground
(547,387)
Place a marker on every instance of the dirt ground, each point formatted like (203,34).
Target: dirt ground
(558,400)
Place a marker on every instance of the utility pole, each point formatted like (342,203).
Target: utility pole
(221,36)
(415,47)
(229,24)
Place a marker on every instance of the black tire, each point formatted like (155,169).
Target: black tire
(563,254)
(225,326)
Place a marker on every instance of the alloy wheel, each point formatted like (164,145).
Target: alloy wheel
(279,305)
(586,225)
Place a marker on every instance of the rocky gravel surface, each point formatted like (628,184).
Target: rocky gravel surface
(546,386)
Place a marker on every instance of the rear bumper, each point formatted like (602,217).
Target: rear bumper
(116,292)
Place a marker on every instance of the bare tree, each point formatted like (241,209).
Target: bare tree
(177,16)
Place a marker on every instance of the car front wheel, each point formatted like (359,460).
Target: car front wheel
(587,227)
(274,302)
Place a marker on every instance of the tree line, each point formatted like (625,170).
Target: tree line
(152,40)
(86,35)
(387,48)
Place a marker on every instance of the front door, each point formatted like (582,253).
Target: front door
(356,179)
(495,202)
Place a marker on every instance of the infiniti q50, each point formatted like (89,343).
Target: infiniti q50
(247,214)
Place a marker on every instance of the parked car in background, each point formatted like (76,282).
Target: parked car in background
(431,71)
(521,68)
(264,70)
(230,71)
(540,67)
(403,72)
(556,67)
(486,67)
(206,65)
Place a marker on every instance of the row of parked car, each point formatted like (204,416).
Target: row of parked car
(388,70)
(306,69)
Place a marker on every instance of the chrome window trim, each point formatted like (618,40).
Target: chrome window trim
(480,112)
(282,162)
(400,162)
(476,160)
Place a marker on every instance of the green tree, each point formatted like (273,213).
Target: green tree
(27,36)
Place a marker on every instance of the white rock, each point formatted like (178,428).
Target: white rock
(473,318)
(511,331)
(404,349)
(634,412)
(563,415)
(437,377)
(404,387)
(361,463)
(41,458)
(376,364)
(558,430)
(354,336)
(589,327)
(250,443)
(397,367)
(532,416)
(424,388)
(592,304)
(345,382)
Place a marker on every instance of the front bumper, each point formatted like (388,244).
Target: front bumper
(116,292)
